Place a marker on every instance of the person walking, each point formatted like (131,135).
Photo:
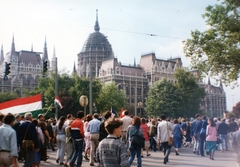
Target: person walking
(144,128)
(61,140)
(127,121)
(69,143)
(88,118)
(153,134)
(111,150)
(195,132)
(223,130)
(93,128)
(77,133)
(177,135)
(135,130)
(211,139)
(164,131)
(203,135)
(8,140)
(27,131)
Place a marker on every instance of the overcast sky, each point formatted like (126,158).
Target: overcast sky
(127,24)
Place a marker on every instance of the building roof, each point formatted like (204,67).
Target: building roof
(29,57)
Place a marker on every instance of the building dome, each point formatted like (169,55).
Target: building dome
(98,42)
(95,50)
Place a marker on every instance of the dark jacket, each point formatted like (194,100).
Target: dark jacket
(223,128)
(31,133)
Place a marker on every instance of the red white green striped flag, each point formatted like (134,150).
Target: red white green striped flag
(58,102)
(22,105)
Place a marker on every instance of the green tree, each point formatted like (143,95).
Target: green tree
(6,96)
(216,51)
(236,110)
(190,93)
(163,98)
(111,96)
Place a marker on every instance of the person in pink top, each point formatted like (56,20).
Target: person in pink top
(211,139)
(144,128)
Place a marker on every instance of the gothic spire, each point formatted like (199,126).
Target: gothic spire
(54,53)
(45,53)
(134,62)
(209,82)
(96,27)
(1,55)
(32,48)
(74,69)
(13,47)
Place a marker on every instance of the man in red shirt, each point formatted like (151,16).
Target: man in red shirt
(77,133)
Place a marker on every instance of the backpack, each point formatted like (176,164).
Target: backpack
(137,140)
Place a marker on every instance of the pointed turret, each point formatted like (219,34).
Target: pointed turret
(134,62)
(74,69)
(209,82)
(13,47)
(45,53)
(1,55)
(54,60)
(32,48)
(96,27)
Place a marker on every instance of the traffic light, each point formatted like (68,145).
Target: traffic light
(7,68)
(45,66)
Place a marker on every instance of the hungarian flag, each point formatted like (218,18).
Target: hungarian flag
(122,112)
(31,104)
(58,102)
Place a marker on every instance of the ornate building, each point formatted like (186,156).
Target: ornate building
(26,68)
(95,50)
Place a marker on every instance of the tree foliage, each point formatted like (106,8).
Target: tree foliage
(111,96)
(7,96)
(163,98)
(216,51)
(236,110)
(190,93)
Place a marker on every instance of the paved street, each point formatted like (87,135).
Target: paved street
(186,159)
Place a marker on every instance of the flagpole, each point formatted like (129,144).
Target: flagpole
(48,109)
(56,89)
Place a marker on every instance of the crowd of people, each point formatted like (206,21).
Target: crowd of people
(109,141)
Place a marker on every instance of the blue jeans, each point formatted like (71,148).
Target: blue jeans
(78,148)
(202,140)
(133,152)
(224,139)
(196,143)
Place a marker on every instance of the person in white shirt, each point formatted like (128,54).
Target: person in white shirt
(164,131)
(69,119)
(127,120)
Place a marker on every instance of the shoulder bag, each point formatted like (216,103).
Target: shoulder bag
(27,145)
(137,140)
(170,139)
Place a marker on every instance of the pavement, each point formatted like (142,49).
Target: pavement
(185,159)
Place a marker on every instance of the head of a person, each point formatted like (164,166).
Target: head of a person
(88,117)
(107,115)
(62,119)
(126,112)
(1,117)
(95,115)
(211,122)
(9,119)
(232,119)
(18,117)
(136,121)
(35,122)
(114,126)
(223,120)
(175,121)
(198,116)
(219,119)
(204,117)
(28,116)
(183,120)
(163,117)
(80,114)
(153,122)
(143,120)
(69,116)
(41,117)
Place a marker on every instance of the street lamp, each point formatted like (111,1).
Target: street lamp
(140,108)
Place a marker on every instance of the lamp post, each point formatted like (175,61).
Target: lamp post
(140,108)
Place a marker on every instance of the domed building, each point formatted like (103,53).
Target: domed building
(95,50)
